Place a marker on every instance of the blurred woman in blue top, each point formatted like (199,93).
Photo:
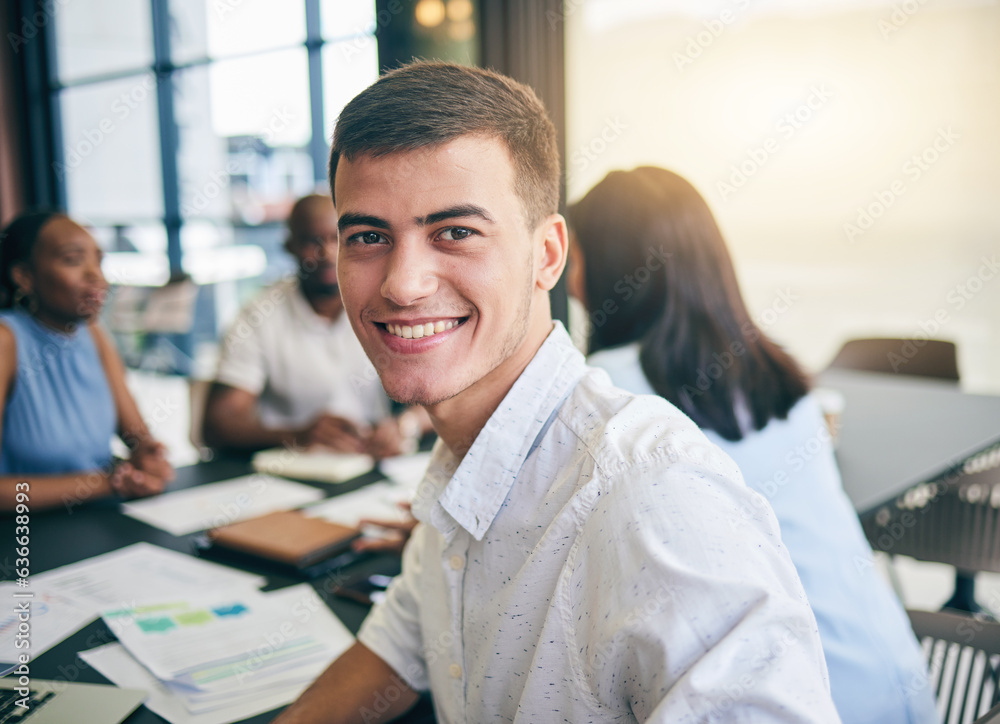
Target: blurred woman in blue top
(667,316)
(62,384)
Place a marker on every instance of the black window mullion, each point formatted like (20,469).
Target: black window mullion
(314,45)
(44,185)
(169,134)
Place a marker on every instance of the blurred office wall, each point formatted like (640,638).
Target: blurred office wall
(848,148)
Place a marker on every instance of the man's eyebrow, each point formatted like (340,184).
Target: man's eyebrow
(350,219)
(456,212)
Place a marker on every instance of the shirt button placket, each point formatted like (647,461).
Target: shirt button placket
(455,566)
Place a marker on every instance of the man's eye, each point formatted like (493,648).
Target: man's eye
(368,237)
(456,233)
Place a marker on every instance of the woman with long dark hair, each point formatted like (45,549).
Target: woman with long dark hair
(62,384)
(667,318)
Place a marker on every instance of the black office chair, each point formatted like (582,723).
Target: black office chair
(963,662)
(915,357)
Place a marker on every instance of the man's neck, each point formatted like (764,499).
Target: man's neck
(459,420)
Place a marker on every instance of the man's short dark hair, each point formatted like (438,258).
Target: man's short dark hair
(430,103)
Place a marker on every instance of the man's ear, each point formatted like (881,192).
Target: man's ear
(22,278)
(554,241)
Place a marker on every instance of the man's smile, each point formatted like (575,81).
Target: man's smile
(420,329)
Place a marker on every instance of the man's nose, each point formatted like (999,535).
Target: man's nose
(94,273)
(410,274)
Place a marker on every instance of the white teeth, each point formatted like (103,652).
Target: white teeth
(419,331)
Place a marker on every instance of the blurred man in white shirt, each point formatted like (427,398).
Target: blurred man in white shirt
(291,370)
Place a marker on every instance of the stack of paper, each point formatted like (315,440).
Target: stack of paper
(227,655)
(66,599)
(316,463)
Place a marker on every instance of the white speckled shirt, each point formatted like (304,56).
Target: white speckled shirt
(590,560)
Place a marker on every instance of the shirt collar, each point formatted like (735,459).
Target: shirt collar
(481,481)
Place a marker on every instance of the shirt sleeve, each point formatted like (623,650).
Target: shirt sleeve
(241,360)
(392,629)
(688,607)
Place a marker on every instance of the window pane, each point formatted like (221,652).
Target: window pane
(134,254)
(244,132)
(102,36)
(189,29)
(111,150)
(344,18)
(253,25)
(348,68)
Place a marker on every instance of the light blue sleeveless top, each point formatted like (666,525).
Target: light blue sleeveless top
(60,414)
(877,673)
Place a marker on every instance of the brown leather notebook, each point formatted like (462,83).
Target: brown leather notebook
(286,537)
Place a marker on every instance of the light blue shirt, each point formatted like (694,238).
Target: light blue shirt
(60,415)
(876,669)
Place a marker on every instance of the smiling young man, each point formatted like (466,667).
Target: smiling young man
(583,554)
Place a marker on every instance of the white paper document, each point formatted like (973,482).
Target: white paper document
(378,501)
(115,663)
(222,503)
(138,573)
(406,470)
(53,618)
(228,655)
(314,464)
(66,599)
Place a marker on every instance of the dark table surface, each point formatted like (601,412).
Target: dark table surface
(60,537)
(899,431)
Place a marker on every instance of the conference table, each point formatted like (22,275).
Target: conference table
(59,538)
(898,431)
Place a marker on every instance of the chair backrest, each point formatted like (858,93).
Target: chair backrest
(918,357)
(963,662)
